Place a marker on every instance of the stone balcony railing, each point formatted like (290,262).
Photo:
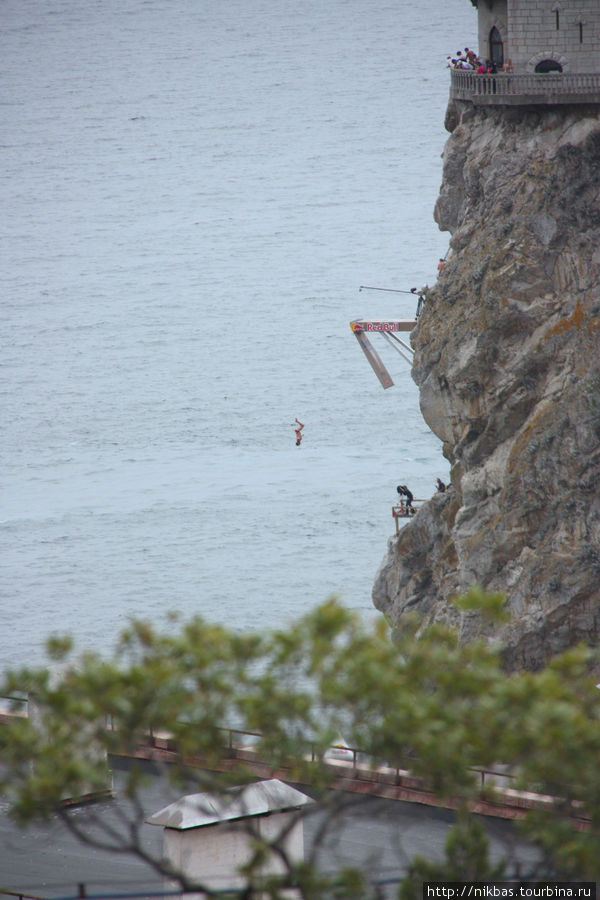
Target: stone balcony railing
(524,90)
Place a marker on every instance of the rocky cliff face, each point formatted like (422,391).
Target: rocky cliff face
(507,359)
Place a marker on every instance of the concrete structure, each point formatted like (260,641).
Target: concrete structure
(209,837)
(546,52)
(381,836)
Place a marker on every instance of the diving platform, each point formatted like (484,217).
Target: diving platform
(382,325)
(402,510)
(387,328)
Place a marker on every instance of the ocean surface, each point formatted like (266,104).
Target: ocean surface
(192,194)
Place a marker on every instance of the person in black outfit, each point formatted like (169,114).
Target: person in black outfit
(440,485)
(404,492)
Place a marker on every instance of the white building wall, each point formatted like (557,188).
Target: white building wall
(213,854)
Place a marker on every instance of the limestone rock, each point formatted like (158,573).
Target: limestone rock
(507,360)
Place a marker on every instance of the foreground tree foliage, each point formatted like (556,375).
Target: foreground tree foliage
(430,706)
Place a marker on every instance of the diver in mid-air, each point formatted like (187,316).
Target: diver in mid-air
(298,431)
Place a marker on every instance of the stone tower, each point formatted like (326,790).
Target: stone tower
(541,36)
(546,53)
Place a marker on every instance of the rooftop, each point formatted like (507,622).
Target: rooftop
(260,798)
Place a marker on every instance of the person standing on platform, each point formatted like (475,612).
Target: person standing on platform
(423,296)
(404,492)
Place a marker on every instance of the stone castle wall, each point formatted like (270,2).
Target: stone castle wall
(567,31)
(544,29)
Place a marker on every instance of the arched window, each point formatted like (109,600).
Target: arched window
(496,48)
(548,65)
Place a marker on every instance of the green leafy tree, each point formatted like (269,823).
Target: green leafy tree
(431,707)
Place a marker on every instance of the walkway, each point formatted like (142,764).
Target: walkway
(351,769)
(356,772)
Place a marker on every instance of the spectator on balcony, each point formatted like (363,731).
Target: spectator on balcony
(472,57)
(508,65)
(461,61)
(481,69)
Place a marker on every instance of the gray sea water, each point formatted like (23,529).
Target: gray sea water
(192,193)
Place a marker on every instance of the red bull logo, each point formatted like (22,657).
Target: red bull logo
(373,325)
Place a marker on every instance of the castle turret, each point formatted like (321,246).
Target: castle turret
(543,52)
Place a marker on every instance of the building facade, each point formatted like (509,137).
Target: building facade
(541,36)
